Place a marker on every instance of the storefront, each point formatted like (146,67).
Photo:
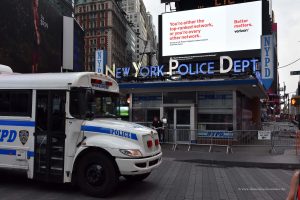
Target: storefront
(205,105)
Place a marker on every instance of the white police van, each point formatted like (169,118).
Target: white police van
(62,127)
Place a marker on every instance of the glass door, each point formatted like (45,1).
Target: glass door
(50,136)
(179,123)
(182,123)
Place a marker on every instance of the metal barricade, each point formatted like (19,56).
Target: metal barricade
(183,137)
(168,136)
(250,138)
(273,136)
(216,138)
(265,138)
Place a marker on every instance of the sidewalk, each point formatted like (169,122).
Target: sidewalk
(241,157)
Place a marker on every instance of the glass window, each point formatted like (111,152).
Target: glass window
(15,102)
(144,116)
(180,97)
(215,99)
(88,103)
(215,110)
(147,100)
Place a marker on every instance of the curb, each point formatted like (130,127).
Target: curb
(286,166)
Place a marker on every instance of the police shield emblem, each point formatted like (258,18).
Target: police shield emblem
(23,135)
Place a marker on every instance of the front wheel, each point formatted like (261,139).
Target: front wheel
(97,175)
(139,177)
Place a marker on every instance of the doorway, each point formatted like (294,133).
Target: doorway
(50,136)
(180,121)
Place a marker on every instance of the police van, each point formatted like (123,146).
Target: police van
(63,127)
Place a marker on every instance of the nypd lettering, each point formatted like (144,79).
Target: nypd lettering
(8,135)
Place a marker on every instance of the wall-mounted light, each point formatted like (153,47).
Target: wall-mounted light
(128,99)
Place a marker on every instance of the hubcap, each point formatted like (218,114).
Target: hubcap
(95,175)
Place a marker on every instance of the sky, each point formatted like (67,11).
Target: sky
(287,16)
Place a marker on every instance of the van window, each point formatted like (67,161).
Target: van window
(15,102)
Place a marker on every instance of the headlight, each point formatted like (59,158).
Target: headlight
(131,152)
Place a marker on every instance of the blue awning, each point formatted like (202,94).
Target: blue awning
(168,84)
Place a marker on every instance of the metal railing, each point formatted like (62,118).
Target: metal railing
(230,139)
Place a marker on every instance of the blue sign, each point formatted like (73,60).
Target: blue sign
(100,61)
(267,60)
(216,134)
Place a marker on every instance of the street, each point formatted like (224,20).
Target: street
(173,180)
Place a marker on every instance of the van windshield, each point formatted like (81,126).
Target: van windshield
(86,103)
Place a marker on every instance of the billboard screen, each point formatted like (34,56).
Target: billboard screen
(78,48)
(31,36)
(229,28)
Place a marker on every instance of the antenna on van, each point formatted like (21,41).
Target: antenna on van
(4,69)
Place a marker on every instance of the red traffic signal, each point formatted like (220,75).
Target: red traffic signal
(295,101)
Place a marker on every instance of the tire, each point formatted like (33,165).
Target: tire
(136,178)
(97,175)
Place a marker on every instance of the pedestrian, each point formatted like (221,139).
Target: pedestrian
(294,193)
(158,126)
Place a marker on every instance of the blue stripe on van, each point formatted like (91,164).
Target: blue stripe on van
(30,154)
(8,152)
(13,152)
(109,131)
(17,123)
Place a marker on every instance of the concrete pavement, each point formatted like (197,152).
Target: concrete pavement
(241,157)
(180,177)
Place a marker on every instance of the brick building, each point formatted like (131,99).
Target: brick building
(105,28)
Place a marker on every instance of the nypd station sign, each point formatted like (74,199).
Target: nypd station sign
(100,61)
(225,65)
(267,60)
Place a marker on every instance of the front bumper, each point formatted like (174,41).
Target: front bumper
(138,166)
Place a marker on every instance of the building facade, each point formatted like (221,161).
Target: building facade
(64,7)
(105,28)
(209,93)
(130,50)
(142,24)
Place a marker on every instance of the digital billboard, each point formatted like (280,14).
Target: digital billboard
(31,36)
(230,28)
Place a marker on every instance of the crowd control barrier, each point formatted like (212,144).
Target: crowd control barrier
(230,139)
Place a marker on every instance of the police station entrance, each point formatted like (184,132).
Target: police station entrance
(180,117)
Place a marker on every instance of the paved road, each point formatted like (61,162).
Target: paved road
(173,180)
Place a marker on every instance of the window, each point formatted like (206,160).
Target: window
(180,97)
(15,102)
(215,110)
(88,103)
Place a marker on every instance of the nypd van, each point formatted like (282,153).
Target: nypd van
(62,127)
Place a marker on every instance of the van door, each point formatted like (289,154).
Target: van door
(50,135)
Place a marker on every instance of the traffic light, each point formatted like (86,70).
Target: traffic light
(295,101)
